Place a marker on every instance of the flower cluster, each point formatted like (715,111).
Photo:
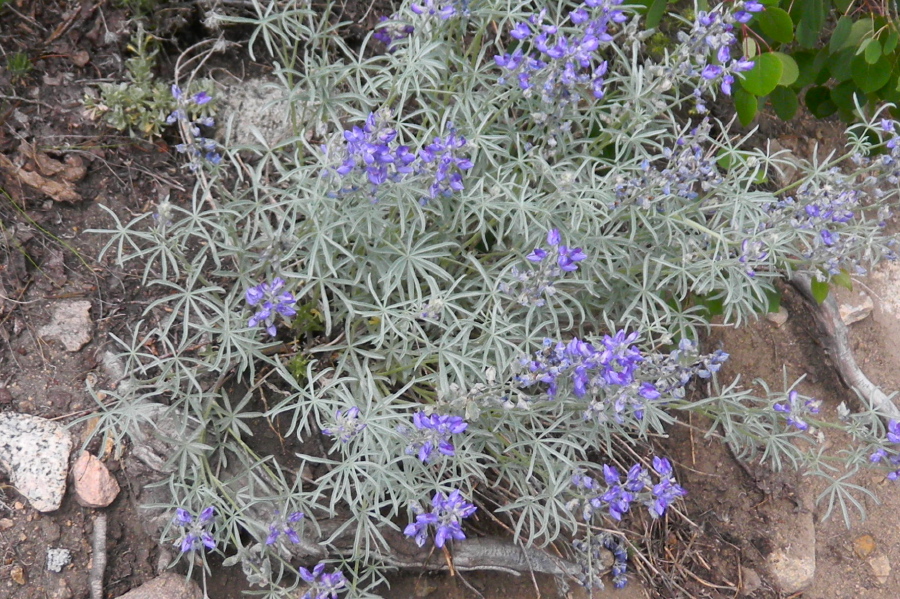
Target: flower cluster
(372,150)
(686,171)
(704,54)
(271,302)
(445,516)
(893,436)
(443,158)
(194,145)
(531,286)
(284,526)
(441,10)
(588,367)
(390,30)
(196,530)
(432,432)
(796,411)
(567,57)
(346,425)
(590,559)
(753,251)
(616,496)
(322,585)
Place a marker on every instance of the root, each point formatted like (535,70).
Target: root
(837,343)
(99,556)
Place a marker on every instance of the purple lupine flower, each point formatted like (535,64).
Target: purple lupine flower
(566,59)
(616,497)
(445,163)
(196,530)
(446,515)
(434,8)
(346,425)
(284,526)
(533,285)
(391,30)
(893,434)
(271,301)
(432,432)
(195,145)
(795,411)
(322,585)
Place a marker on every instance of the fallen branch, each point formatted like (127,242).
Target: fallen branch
(836,340)
(99,556)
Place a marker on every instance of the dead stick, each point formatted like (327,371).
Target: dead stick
(99,556)
(837,344)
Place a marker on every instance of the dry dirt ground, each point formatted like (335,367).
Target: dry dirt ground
(737,512)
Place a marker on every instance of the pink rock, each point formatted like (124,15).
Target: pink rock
(94,485)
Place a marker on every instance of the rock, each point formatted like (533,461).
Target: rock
(71,324)
(17,573)
(57,559)
(864,546)
(94,485)
(777,318)
(35,453)
(881,567)
(750,581)
(857,309)
(792,563)
(166,586)
(62,591)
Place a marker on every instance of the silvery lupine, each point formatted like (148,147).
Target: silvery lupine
(445,163)
(196,146)
(821,208)
(391,30)
(196,530)
(532,285)
(322,585)
(893,436)
(284,526)
(567,58)
(432,433)
(666,491)
(346,425)
(753,251)
(589,558)
(585,365)
(446,515)
(796,411)
(688,171)
(441,10)
(705,52)
(370,150)
(615,496)
(271,301)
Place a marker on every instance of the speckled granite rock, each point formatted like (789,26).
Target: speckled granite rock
(35,453)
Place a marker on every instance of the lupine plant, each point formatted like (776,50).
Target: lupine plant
(513,225)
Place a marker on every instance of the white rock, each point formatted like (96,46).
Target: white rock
(793,562)
(857,310)
(71,324)
(166,586)
(881,567)
(35,453)
(778,318)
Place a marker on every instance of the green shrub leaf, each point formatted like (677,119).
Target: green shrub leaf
(841,34)
(819,290)
(810,26)
(871,77)
(764,76)
(784,102)
(873,51)
(818,100)
(776,23)
(746,104)
(789,69)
